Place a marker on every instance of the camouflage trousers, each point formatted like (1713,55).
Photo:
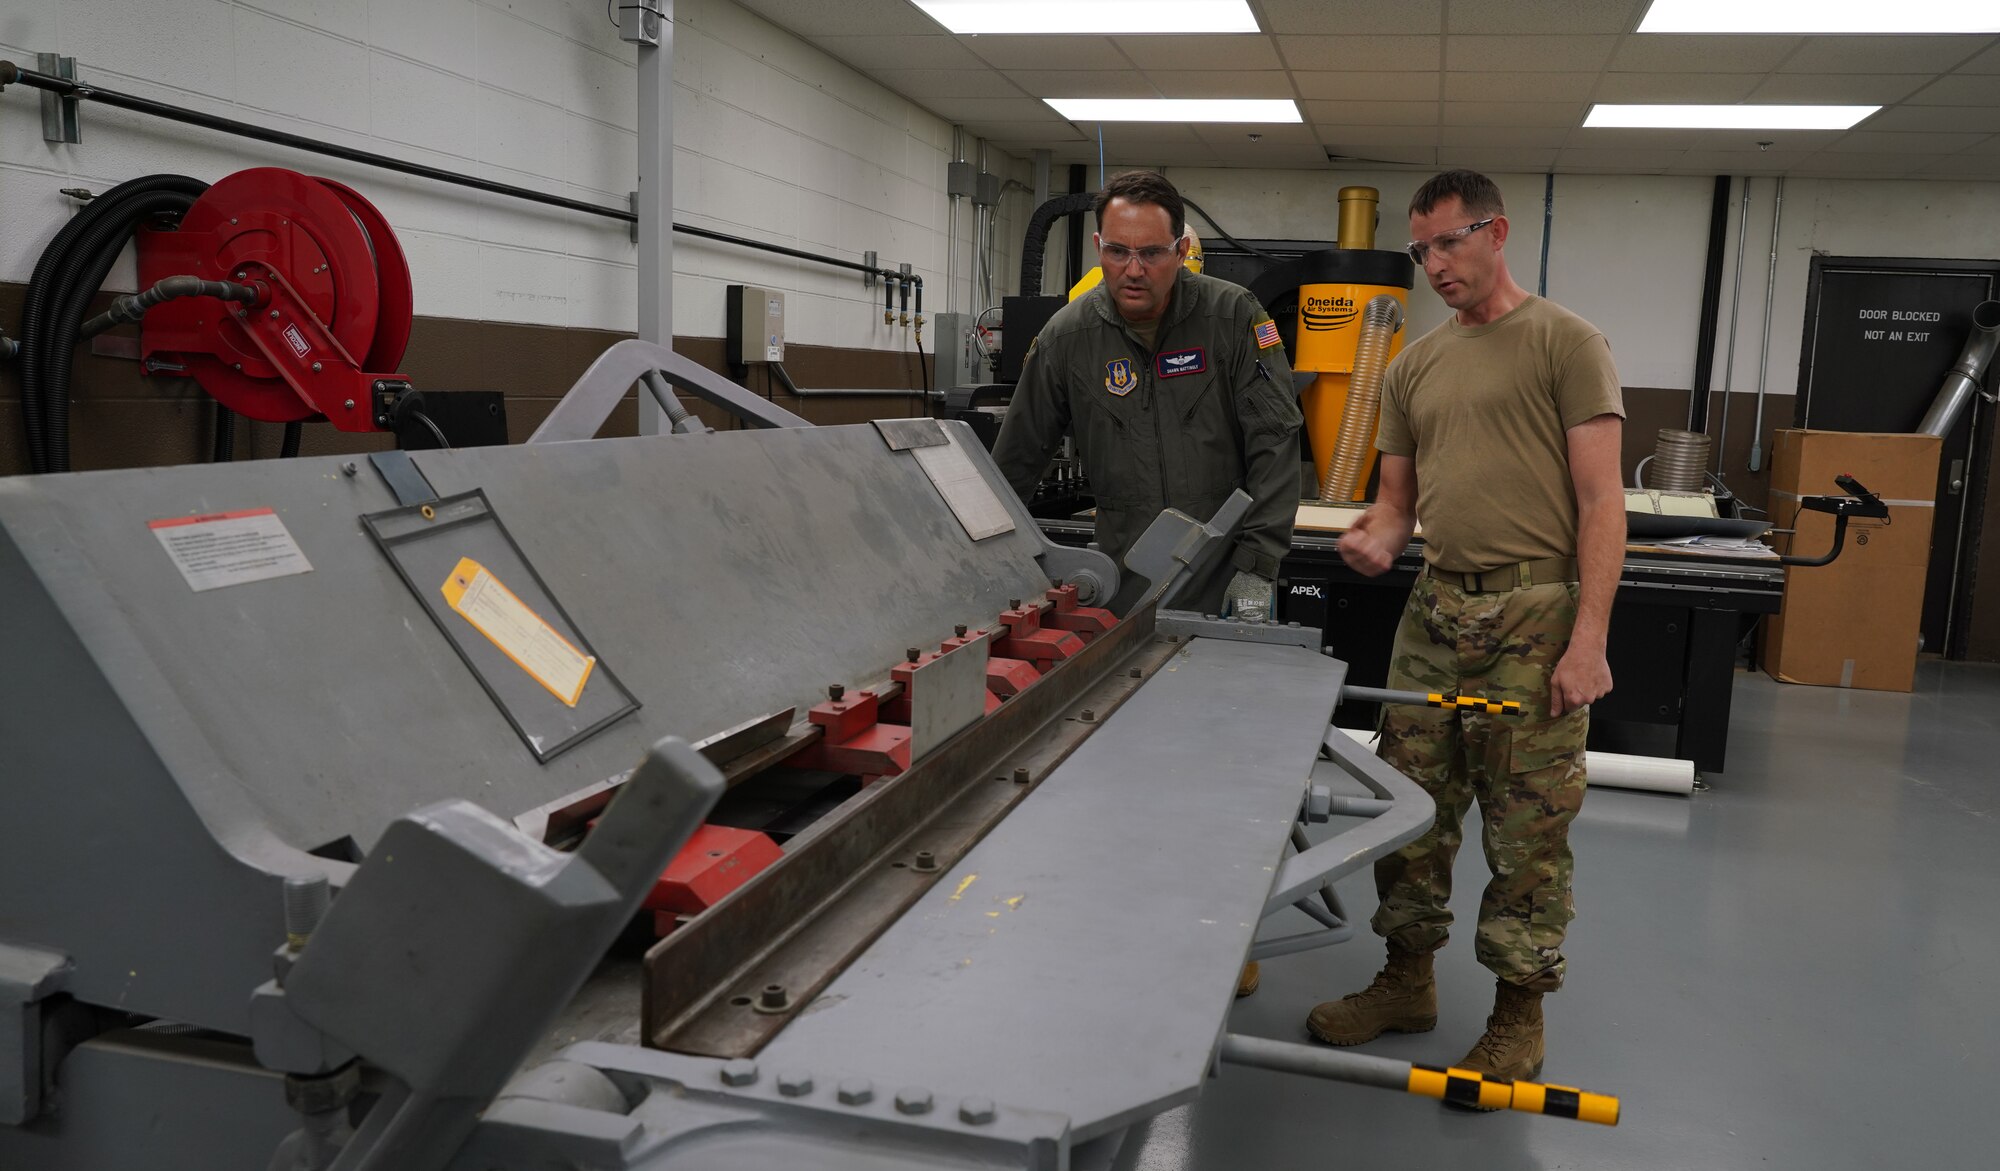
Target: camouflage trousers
(1525,771)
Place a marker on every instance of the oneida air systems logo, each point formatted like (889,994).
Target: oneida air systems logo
(1325,314)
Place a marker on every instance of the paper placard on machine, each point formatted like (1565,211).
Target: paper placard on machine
(230,548)
(518,631)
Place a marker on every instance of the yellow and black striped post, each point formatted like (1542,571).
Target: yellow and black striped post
(1461,1087)
(1464,1087)
(1463,703)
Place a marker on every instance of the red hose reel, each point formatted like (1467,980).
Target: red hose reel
(333,306)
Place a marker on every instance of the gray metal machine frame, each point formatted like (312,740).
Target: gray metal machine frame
(202,769)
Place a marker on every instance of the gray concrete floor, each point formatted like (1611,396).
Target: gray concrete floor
(1797,969)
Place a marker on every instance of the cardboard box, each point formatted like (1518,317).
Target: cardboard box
(1856,622)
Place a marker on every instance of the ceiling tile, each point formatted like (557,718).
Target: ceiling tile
(1238,134)
(1371,113)
(1083,83)
(1936,118)
(1524,54)
(1675,53)
(1677,87)
(1518,87)
(1961,167)
(1513,113)
(1803,141)
(991,110)
(933,52)
(1284,156)
(948,83)
(1211,83)
(1990,146)
(815,18)
(1192,154)
(1987,62)
(1143,133)
(1371,52)
(1543,16)
(1623,161)
(1623,138)
(1351,17)
(1359,137)
(1243,51)
(1903,142)
(1885,166)
(1841,89)
(1881,54)
(1050,52)
(1959,89)
(1518,160)
(1542,137)
(1357,86)
(1399,156)
(1738,162)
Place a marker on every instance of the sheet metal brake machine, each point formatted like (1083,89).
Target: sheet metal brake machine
(338,789)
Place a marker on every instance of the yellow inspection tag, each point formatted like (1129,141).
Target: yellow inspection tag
(519,632)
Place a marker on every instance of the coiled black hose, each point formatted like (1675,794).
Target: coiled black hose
(1035,245)
(68,274)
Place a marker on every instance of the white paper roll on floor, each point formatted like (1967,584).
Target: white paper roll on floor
(1616,770)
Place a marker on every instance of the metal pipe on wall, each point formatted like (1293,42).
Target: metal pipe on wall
(1962,381)
(1548,222)
(653,33)
(1711,308)
(951,226)
(1735,303)
(1764,349)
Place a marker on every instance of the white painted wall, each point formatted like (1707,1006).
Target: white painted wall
(773,139)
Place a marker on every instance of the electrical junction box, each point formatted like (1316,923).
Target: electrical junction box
(958,356)
(756,325)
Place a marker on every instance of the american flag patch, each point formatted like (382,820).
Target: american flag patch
(1267,334)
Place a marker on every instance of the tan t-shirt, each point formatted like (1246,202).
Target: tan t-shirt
(1485,410)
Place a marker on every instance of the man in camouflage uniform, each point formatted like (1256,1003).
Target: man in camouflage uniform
(1176,388)
(1502,428)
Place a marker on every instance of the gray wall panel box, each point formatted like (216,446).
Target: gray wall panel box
(756,325)
(986,191)
(958,178)
(958,361)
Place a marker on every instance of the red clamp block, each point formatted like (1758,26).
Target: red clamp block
(1027,640)
(855,740)
(716,860)
(1005,678)
(1065,614)
(846,717)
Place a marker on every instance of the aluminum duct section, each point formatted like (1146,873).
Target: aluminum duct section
(1962,381)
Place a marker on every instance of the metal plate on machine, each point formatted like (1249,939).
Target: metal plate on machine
(1082,956)
(972,499)
(514,636)
(947,694)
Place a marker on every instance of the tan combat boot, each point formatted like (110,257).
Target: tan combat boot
(1248,981)
(1402,999)
(1511,1047)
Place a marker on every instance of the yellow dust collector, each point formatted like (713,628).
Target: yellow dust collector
(1352,304)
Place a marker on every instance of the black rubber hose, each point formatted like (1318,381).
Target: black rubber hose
(92,256)
(43,401)
(294,432)
(133,306)
(1035,246)
(224,448)
(1227,238)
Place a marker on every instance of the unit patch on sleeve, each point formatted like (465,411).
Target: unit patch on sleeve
(1180,362)
(1119,377)
(1267,334)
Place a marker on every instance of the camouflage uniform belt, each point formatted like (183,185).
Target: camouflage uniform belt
(1548,571)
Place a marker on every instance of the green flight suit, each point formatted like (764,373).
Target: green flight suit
(1208,410)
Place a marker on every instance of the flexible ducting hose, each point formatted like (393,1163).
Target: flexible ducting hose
(1035,245)
(1380,319)
(66,277)
(1962,381)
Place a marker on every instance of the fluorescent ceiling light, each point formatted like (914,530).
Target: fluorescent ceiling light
(1176,109)
(1821,16)
(1730,117)
(1114,17)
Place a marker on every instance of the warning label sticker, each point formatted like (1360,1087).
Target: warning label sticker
(230,548)
(519,632)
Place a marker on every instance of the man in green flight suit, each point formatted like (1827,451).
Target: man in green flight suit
(1176,388)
